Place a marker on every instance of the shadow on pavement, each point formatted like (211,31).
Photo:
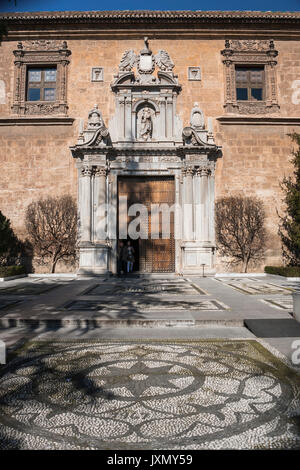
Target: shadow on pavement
(274,328)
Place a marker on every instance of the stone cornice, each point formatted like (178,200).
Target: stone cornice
(131,24)
(37,121)
(113,152)
(259,120)
(127,16)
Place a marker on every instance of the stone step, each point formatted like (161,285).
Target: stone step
(95,322)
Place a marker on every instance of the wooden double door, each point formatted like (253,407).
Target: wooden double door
(155,255)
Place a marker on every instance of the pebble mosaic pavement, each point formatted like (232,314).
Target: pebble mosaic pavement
(254,286)
(144,288)
(209,394)
(141,305)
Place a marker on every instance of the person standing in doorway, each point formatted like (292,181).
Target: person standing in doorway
(124,258)
(120,258)
(130,257)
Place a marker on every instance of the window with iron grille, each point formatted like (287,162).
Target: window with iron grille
(250,84)
(41,84)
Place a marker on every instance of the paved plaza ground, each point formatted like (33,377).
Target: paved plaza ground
(163,362)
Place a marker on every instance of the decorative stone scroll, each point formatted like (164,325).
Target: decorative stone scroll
(250,52)
(36,53)
(96,133)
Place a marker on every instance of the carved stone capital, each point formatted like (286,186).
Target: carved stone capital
(100,171)
(203,171)
(188,170)
(86,170)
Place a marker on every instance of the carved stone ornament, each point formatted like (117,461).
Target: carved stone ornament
(97,74)
(39,53)
(197,119)
(163,61)
(43,44)
(145,63)
(100,171)
(146,91)
(197,137)
(194,74)
(250,52)
(96,132)
(86,170)
(95,118)
(128,61)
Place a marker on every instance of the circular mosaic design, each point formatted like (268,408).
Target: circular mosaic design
(112,395)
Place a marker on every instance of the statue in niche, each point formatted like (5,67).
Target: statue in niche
(146,126)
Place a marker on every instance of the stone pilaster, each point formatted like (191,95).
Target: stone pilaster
(99,203)
(85,204)
(188,218)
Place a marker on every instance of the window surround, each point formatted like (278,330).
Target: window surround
(40,53)
(248,52)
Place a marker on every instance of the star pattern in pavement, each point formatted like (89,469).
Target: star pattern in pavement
(131,379)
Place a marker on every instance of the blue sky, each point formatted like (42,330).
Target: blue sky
(88,5)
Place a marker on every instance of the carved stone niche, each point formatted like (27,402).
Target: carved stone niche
(146,91)
(253,53)
(145,118)
(34,54)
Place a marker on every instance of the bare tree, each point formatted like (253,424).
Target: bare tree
(240,229)
(52,227)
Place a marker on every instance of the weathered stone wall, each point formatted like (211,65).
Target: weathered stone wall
(36,160)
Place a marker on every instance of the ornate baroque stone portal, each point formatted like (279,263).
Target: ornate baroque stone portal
(145,137)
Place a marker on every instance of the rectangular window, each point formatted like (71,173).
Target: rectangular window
(249,83)
(41,84)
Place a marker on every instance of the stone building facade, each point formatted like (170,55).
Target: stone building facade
(174,108)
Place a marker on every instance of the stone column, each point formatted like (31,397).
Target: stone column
(202,204)
(199,209)
(121,103)
(128,130)
(99,201)
(162,117)
(188,224)
(211,186)
(205,201)
(169,117)
(85,203)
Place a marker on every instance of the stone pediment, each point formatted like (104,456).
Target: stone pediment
(129,79)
